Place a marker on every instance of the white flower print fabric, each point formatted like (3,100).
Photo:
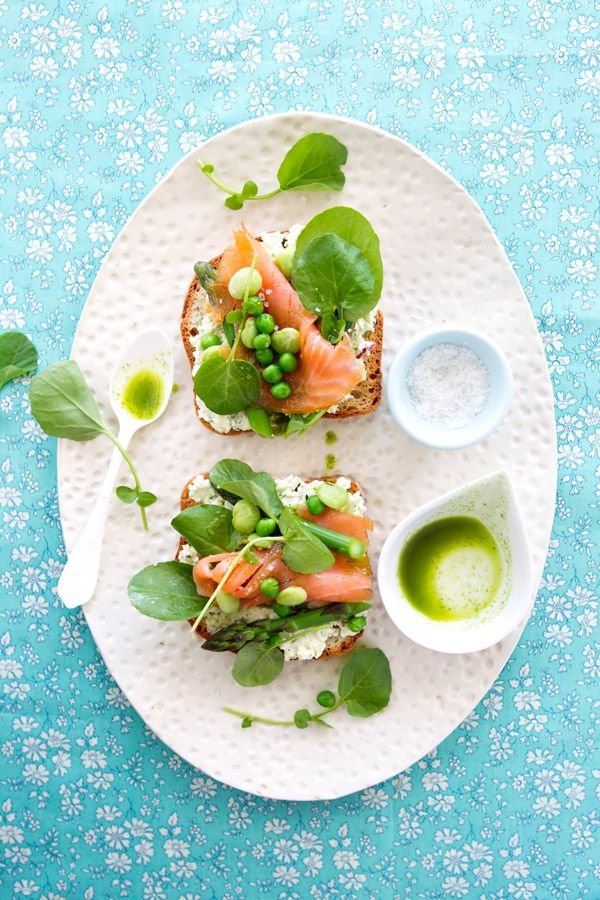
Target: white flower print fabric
(98,102)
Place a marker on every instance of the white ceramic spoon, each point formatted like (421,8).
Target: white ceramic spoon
(151,350)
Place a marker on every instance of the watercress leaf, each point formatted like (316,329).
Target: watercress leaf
(365,682)
(261,490)
(146,498)
(234,202)
(260,421)
(351,226)
(207,168)
(166,591)
(302,551)
(208,528)
(332,275)
(235,480)
(313,164)
(250,189)
(227,470)
(227,386)
(63,404)
(256,664)
(126,494)
(18,356)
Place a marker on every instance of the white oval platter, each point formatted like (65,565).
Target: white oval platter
(443,267)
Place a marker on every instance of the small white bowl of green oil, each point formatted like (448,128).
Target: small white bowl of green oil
(455,575)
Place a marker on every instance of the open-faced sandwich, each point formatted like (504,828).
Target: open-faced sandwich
(272,570)
(282,328)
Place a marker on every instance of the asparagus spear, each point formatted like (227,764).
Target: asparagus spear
(237,635)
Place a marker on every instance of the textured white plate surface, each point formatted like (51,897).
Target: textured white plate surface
(443,267)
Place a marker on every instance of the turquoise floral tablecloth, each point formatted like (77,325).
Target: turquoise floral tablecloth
(97,102)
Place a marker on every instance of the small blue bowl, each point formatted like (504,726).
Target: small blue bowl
(439,436)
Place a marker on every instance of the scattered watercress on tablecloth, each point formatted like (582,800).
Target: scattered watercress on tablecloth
(364,688)
(166,591)
(18,356)
(313,163)
(65,407)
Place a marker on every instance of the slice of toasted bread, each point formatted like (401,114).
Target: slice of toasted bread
(365,397)
(343,644)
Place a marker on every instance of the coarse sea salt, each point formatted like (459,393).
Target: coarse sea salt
(448,384)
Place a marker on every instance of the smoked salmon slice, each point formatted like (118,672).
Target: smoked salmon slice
(337,520)
(326,372)
(348,580)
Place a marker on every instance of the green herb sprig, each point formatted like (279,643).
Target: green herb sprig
(337,269)
(18,356)
(64,406)
(364,688)
(313,163)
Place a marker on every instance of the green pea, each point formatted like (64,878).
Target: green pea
(284,260)
(357,623)
(272,374)
(261,342)
(281,391)
(269,587)
(265,357)
(210,340)
(292,596)
(245,516)
(265,527)
(227,603)
(288,362)
(244,281)
(211,351)
(253,306)
(282,611)
(265,323)
(333,495)
(326,699)
(315,506)
(249,332)
(286,340)
(233,316)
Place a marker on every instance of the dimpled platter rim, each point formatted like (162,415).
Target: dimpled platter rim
(444,267)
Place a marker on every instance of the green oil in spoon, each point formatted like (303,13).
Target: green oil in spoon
(143,394)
